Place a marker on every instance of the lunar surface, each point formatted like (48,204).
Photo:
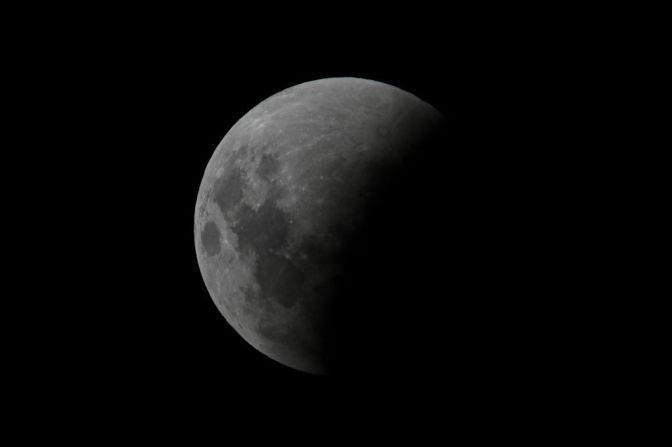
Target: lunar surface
(284,199)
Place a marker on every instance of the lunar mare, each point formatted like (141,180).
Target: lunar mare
(282,194)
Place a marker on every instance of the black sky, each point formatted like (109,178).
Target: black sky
(141,102)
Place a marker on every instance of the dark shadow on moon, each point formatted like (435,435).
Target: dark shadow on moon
(390,300)
(446,282)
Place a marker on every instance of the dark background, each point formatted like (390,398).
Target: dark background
(189,100)
(475,312)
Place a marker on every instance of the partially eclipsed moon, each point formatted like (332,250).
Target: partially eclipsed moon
(283,194)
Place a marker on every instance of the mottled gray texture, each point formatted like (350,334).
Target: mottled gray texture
(283,188)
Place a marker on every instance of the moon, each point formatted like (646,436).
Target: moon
(286,200)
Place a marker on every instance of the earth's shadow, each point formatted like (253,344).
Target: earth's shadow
(398,304)
(454,274)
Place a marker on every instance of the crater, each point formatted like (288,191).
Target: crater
(228,190)
(265,233)
(210,236)
(383,131)
(276,333)
(268,165)
(262,231)
(279,279)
